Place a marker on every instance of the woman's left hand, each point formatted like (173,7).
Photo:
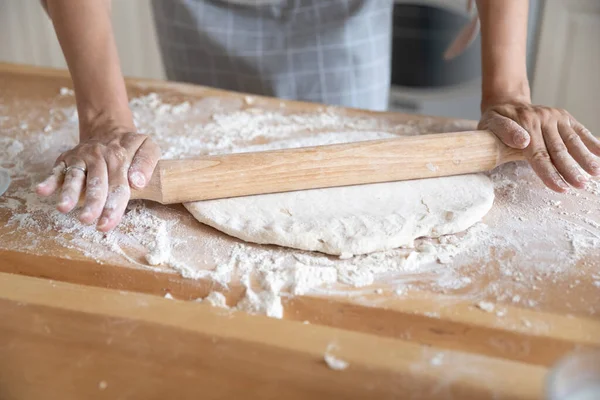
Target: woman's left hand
(558,147)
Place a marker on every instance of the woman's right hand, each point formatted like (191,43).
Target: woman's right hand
(103,166)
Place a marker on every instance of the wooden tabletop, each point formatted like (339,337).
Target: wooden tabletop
(537,315)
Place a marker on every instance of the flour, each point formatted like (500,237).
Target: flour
(335,363)
(159,252)
(216,299)
(486,306)
(267,302)
(509,247)
(306,277)
(332,361)
(14,148)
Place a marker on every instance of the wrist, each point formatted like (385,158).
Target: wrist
(503,92)
(100,123)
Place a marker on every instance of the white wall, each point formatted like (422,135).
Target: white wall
(27,36)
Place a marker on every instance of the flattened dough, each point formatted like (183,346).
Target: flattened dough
(354,219)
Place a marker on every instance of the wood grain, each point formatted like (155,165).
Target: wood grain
(566,316)
(64,341)
(386,160)
(521,335)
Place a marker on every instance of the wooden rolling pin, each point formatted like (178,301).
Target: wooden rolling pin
(386,160)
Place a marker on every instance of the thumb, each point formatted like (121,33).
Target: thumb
(509,131)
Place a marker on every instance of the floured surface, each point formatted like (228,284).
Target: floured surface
(535,248)
(351,220)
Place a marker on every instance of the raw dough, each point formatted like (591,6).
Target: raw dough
(353,219)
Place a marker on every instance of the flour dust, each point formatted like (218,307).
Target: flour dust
(502,259)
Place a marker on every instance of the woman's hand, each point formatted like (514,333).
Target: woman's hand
(104,166)
(110,157)
(557,146)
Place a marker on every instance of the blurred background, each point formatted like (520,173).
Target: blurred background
(563,53)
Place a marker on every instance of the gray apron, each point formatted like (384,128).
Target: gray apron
(327,51)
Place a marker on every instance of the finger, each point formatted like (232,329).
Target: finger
(72,187)
(143,164)
(118,191)
(95,191)
(562,160)
(578,150)
(50,184)
(116,202)
(510,132)
(590,141)
(540,161)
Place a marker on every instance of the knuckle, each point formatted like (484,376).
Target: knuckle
(586,132)
(572,138)
(95,191)
(540,156)
(144,162)
(117,153)
(95,149)
(120,154)
(141,161)
(94,181)
(530,120)
(546,111)
(521,112)
(133,139)
(558,149)
(116,159)
(93,195)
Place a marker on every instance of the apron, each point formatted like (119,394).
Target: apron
(328,51)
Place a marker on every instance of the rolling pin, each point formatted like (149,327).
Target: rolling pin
(385,160)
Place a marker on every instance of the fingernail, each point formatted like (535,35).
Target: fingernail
(86,213)
(520,138)
(103,222)
(562,184)
(595,167)
(581,178)
(65,201)
(138,179)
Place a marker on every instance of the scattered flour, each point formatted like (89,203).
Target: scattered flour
(437,359)
(159,252)
(508,251)
(486,306)
(216,299)
(334,362)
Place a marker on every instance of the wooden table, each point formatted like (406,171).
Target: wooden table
(76,327)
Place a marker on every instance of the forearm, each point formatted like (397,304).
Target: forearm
(85,34)
(504,51)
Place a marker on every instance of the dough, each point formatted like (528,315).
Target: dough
(353,219)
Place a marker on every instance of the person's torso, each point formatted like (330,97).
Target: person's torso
(331,51)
